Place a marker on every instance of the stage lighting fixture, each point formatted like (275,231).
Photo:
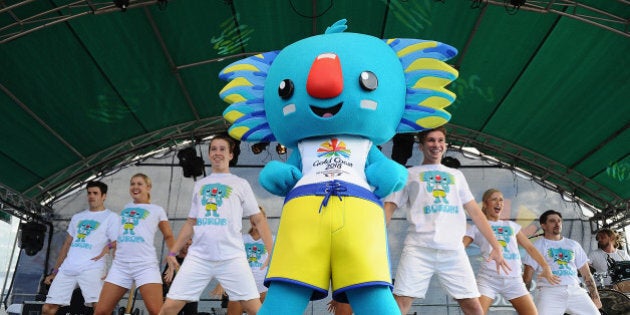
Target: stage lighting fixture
(281,149)
(191,163)
(32,236)
(122,4)
(402,147)
(451,162)
(257,148)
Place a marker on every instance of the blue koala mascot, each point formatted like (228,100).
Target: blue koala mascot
(332,99)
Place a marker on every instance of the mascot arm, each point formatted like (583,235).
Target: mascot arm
(385,175)
(279,178)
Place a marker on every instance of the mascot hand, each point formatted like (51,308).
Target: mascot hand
(386,176)
(279,178)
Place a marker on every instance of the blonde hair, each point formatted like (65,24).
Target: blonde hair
(146,180)
(486,196)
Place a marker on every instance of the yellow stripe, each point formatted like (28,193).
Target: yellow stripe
(415,47)
(430,64)
(431,82)
(234,98)
(233,115)
(238,132)
(241,67)
(438,102)
(431,122)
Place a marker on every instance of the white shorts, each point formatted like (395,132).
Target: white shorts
(560,299)
(60,292)
(418,264)
(259,277)
(125,274)
(195,273)
(509,288)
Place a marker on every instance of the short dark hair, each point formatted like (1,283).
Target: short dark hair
(423,134)
(94,183)
(227,138)
(543,217)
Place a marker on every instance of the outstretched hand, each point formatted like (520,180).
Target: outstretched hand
(548,274)
(173,266)
(497,256)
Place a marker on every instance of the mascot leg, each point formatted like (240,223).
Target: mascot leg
(372,300)
(285,298)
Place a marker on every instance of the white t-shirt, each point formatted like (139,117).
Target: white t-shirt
(256,256)
(334,158)
(90,232)
(564,257)
(598,259)
(137,232)
(505,232)
(434,197)
(219,203)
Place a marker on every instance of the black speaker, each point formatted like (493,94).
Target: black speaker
(32,236)
(190,162)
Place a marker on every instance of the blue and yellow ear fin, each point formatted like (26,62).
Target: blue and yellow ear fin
(426,75)
(245,94)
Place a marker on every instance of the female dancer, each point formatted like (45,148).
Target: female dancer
(136,260)
(509,235)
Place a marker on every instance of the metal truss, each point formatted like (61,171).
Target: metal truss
(19,26)
(123,154)
(574,9)
(23,208)
(610,209)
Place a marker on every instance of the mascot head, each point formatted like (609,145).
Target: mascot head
(339,83)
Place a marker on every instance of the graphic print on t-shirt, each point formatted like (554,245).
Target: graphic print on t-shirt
(562,257)
(438,185)
(212,196)
(503,235)
(254,253)
(84,228)
(131,217)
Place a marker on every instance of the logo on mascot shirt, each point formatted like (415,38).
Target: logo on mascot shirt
(335,154)
(334,147)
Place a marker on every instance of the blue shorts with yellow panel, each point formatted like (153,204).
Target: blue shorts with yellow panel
(331,233)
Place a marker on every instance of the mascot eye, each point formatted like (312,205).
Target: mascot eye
(368,81)
(285,90)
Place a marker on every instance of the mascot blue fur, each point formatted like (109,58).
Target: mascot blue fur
(331,99)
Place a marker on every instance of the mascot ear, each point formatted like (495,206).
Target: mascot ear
(426,75)
(245,94)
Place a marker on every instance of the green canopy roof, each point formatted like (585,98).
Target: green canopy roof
(86,87)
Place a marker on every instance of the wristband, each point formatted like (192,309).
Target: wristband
(54,271)
(109,245)
(172,254)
